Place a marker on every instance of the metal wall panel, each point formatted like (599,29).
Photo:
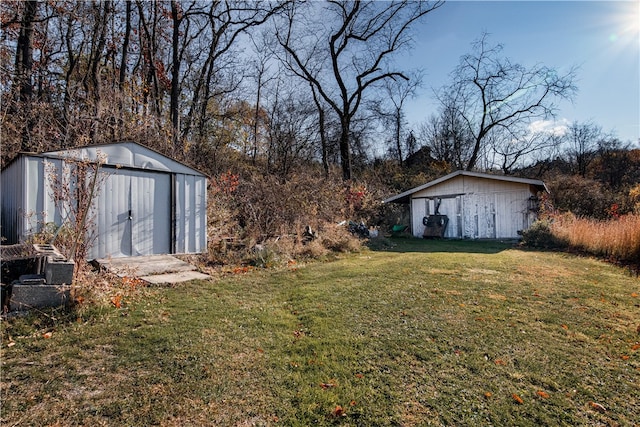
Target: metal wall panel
(190,213)
(133,214)
(12,187)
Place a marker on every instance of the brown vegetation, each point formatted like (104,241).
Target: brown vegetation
(616,239)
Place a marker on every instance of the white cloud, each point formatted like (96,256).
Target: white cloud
(553,127)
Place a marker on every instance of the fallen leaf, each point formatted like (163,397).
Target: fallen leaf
(47,335)
(542,394)
(488,394)
(116,300)
(330,384)
(359,376)
(634,295)
(635,347)
(500,362)
(565,327)
(338,412)
(517,399)
(352,403)
(598,407)
(624,357)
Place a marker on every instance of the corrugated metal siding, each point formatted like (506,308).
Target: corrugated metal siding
(133,214)
(191,213)
(111,202)
(28,204)
(151,213)
(12,187)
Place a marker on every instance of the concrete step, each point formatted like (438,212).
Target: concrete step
(154,268)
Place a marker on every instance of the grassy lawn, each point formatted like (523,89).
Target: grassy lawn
(418,333)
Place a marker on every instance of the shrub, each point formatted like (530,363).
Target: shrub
(583,197)
(260,219)
(540,235)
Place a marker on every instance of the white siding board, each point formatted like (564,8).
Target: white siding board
(450,208)
(418,211)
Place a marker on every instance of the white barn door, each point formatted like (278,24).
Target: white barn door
(133,214)
(480,216)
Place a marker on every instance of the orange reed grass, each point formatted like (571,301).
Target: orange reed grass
(617,239)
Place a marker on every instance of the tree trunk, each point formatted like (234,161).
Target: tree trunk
(24,69)
(176,19)
(398,124)
(345,152)
(24,51)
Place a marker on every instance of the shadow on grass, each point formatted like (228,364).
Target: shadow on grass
(412,244)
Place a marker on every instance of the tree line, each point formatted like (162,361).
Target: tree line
(283,87)
(278,81)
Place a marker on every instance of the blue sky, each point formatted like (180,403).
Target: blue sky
(601,38)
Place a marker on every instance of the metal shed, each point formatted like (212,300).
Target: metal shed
(145,203)
(477,205)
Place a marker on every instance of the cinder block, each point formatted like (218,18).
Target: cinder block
(58,271)
(25,297)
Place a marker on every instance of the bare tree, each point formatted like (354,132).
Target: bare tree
(448,138)
(347,53)
(491,93)
(216,76)
(390,110)
(581,141)
(514,150)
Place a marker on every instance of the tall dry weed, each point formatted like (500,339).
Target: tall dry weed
(617,239)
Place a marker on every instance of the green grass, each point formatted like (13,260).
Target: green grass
(417,333)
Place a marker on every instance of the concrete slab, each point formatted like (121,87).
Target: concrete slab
(153,269)
(183,276)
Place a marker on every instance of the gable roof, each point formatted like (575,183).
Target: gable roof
(406,196)
(123,154)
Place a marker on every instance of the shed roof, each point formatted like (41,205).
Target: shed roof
(123,154)
(406,196)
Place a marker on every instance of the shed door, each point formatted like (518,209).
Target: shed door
(480,216)
(133,215)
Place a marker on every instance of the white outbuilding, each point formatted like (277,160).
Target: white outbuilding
(473,205)
(144,203)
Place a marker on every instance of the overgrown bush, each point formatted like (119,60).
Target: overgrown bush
(584,197)
(540,235)
(260,220)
